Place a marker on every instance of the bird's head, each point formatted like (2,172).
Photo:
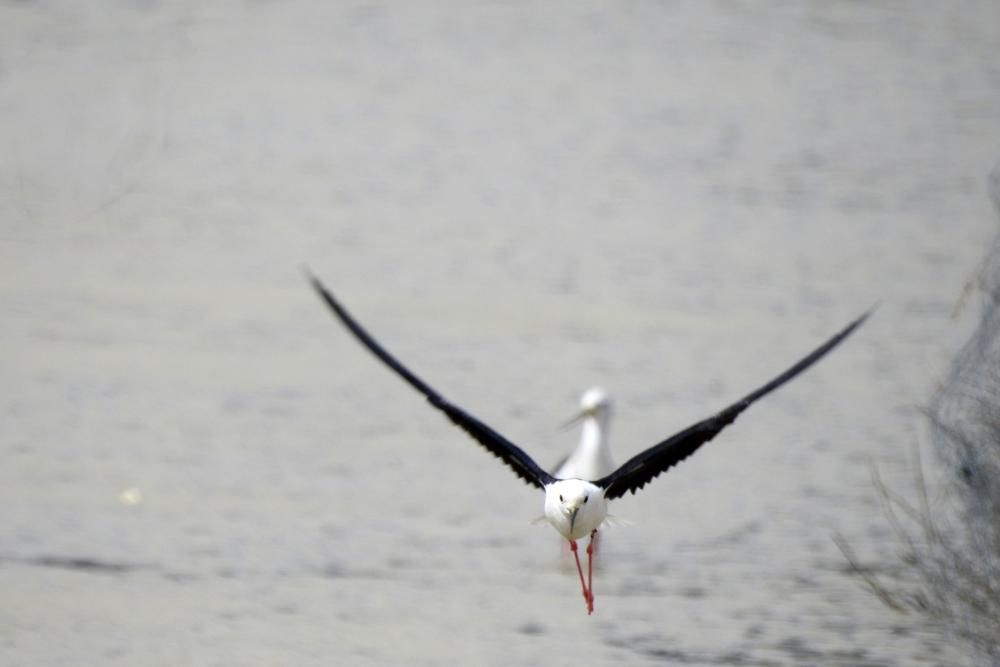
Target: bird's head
(575,507)
(594,402)
(595,399)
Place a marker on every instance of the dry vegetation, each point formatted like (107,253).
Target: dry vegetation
(949,534)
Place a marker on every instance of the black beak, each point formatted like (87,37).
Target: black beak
(575,419)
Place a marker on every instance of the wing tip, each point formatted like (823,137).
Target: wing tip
(314,281)
(864,316)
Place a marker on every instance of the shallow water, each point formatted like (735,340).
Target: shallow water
(674,201)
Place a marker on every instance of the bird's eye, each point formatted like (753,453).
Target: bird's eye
(560,497)
(585,498)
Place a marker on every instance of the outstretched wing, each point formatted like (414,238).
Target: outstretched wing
(504,449)
(643,467)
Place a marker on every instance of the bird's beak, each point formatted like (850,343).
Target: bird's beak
(576,419)
(572,519)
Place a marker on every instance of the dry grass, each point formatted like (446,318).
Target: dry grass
(949,536)
(942,572)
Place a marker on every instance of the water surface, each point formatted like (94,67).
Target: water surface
(673,200)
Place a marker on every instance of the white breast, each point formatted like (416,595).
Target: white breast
(574,507)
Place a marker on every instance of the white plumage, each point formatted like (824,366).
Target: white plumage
(591,460)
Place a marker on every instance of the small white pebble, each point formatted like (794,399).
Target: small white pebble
(131,496)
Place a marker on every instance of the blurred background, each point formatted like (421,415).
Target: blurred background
(674,200)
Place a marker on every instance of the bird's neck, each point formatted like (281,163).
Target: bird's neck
(595,433)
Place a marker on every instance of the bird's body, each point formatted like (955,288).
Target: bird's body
(592,457)
(577,507)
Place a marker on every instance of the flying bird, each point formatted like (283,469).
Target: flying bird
(576,507)
(592,457)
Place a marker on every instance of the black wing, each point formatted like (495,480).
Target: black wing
(643,467)
(504,449)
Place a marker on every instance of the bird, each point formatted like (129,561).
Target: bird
(591,459)
(575,507)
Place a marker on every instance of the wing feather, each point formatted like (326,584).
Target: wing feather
(499,446)
(643,467)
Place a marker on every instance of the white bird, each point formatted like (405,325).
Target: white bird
(592,457)
(576,508)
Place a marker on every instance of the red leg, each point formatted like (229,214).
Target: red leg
(579,570)
(590,571)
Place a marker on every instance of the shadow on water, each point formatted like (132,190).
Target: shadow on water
(80,564)
(796,649)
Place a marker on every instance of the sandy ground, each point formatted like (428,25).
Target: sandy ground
(674,200)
